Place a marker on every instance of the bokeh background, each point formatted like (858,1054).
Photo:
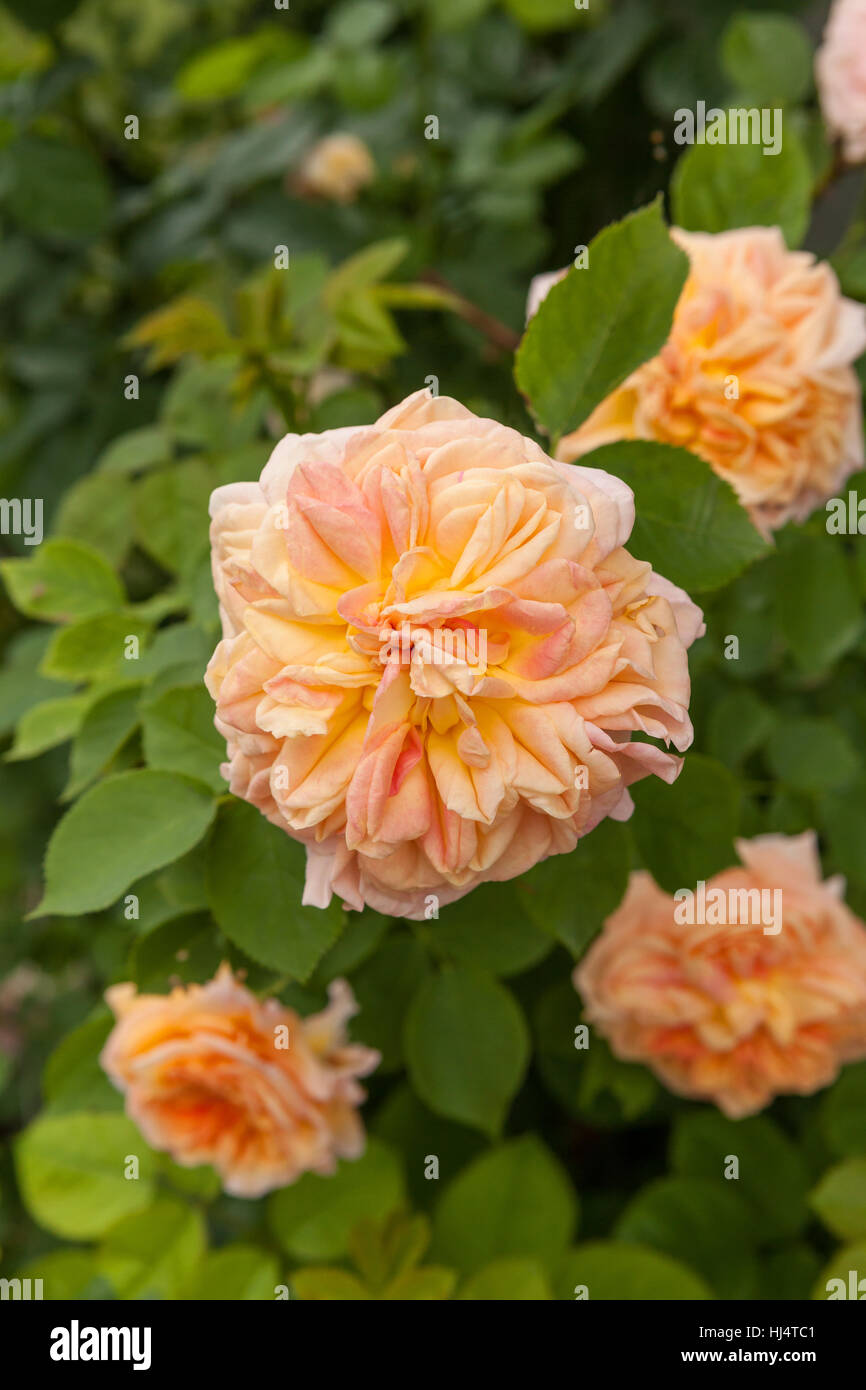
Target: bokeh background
(154,158)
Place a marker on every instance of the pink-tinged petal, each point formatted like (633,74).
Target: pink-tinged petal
(421,408)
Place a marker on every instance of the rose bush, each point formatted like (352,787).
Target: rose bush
(498,690)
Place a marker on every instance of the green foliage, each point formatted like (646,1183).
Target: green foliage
(688,523)
(701,1223)
(768,57)
(719,187)
(466,1047)
(71,1171)
(686,831)
(314,1218)
(120,830)
(771,1174)
(600,323)
(607,1270)
(515,1200)
(255,881)
(175,300)
(840,1199)
(570,895)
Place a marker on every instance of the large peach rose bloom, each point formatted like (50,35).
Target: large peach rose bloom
(734,1014)
(756,376)
(213,1075)
(436,650)
(840,70)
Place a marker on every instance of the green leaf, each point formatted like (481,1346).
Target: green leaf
(255,879)
(64,580)
(183,648)
(120,830)
(171,510)
(488,930)
(515,1200)
(455,14)
(467,1048)
(57,190)
(71,1172)
(840,1199)
(46,725)
(842,818)
(136,450)
(545,16)
(364,269)
(685,832)
(716,188)
(98,511)
(738,725)
(202,1183)
(153,1253)
(769,57)
(688,522)
(588,1082)
(610,1271)
(772,1177)
(384,1250)
(432,1283)
(363,935)
(359,22)
(847,1267)
(313,1219)
(66,1274)
(107,725)
(513,1278)
(702,1223)
(185,948)
(811,755)
(384,988)
(328,1285)
(96,648)
(179,735)
(222,69)
(570,895)
(236,1274)
(843,1113)
(817,605)
(599,324)
(185,325)
(409,1127)
(73,1080)
(21,685)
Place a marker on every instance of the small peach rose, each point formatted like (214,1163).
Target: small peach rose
(436,652)
(338,167)
(840,70)
(212,1075)
(735,1014)
(756,376)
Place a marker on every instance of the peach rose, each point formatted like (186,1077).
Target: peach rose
(840,71)
(212,1075)
(756,376)
(435,653)
(735,1014)
(338,167)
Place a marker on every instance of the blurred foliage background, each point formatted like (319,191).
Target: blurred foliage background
(153,170)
